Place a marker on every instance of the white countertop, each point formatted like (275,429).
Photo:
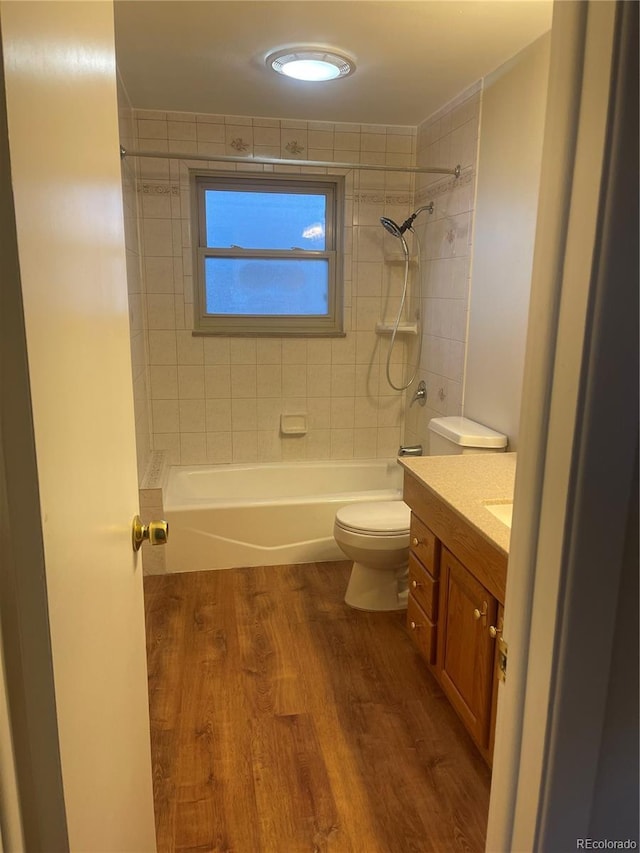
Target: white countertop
(466,483)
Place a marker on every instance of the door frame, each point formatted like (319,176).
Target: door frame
(573,482)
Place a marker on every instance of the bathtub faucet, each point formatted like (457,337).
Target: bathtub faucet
(410,450)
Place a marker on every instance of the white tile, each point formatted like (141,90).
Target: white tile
(343,380)
(244,415)
(269,446)
(269,380)
(193,448)
(160,311)
(366,412)
(343,350)
(162,347)
(170,444)
(216,351)
(190,348)
(156,205)
(165,416)
(191,382)
(159,275)
(243,380)
(318,351)
(342,443)
(157,237)
(388,442)
(163,383)
(192,416)
(210,133)
(294,351)
(318,380)
(152,129)
(182,130)
(342,413)
(218,445)
(268,413)
(294,380)
(346,141)
(242,351)
(319,444)
(217,381)
(218,415)
(365,443)
(269,351)
(245,446)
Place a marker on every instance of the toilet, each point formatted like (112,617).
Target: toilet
(375,535)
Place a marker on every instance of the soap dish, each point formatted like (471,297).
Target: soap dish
(294,424)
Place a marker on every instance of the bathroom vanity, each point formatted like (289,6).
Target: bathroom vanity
(460,530)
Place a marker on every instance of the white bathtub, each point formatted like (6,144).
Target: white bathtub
(267,514)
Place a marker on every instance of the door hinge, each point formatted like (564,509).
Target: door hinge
(503,650)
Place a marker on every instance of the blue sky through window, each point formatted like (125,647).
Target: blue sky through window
(255,220)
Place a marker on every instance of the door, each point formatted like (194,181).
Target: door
(465,648)
(59,71)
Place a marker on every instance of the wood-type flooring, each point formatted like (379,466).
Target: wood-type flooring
(283,721)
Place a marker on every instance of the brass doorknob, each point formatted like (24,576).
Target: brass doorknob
(156,532)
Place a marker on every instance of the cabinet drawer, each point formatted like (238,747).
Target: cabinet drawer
(423,588)
(423,631)
(425,546)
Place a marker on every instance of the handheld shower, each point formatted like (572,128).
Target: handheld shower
(398,231)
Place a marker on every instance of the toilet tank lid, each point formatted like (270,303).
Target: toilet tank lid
(467,433)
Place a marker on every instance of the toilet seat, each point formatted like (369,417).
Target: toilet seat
(376,518)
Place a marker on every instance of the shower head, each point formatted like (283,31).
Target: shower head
(398,230)
(393,228)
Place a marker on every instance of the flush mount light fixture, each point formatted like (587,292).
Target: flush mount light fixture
(313,64)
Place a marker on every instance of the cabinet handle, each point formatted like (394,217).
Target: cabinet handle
(415,542)
(413,625)
(481,614)
(415,584)
(494,632)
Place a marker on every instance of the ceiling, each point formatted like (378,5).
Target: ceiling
(412,56)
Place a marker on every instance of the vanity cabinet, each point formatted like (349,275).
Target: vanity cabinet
(456,593)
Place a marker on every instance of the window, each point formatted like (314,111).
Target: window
(267,254)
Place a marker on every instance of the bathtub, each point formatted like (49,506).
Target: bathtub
(266,514)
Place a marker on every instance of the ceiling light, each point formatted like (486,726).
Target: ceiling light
(311,63)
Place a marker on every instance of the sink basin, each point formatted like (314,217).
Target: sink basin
(503,510)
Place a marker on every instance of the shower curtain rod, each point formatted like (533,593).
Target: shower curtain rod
(272,161)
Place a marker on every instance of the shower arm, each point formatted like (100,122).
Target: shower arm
(274,161)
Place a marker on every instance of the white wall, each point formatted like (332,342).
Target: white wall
(511,130)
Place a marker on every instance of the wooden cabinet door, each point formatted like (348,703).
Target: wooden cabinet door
(465,648)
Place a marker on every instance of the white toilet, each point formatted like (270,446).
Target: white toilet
(375,535)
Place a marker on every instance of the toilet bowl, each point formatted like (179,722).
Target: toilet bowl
(375,536)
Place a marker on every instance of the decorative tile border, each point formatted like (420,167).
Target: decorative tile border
(383,198)
(444,186)
(158,188)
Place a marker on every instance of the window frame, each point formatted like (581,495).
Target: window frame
(274,325)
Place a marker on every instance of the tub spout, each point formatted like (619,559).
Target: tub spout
(410,450)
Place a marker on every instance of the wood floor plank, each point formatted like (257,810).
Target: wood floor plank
(302,725)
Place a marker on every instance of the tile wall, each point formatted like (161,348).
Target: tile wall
(216,399)
(135,282)
(448,137)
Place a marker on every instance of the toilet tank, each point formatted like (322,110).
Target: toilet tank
(460,435)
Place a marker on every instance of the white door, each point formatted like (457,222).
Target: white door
(59,64)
